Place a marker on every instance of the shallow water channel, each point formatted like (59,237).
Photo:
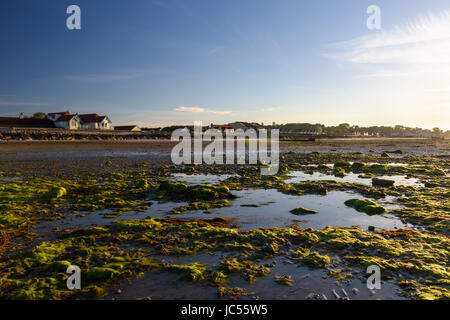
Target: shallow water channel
(400,180)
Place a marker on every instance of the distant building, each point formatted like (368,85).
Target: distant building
(53,116)
(134,128)
(68,121)
(245,125)
(221,127)
(93,121)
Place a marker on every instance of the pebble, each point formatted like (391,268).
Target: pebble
(355,291)
(344,292)
(336,294)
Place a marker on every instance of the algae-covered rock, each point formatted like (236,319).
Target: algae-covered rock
(365,205)
(300,211)
(143,184)
(316,260)
(342,164)
(438,172)
(376,168)
(286,280)
(358,166)
(55,193)
(377,182)
(57,266)
(173,187)
(271,248)
(204,193)
(385,155)
(339,172)
(190,272)
(100,274)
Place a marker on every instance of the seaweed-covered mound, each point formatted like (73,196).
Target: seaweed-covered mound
(206,192)
(302,211)
(365,205)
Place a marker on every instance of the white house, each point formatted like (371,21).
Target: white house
(90,121)
(93,121)
(67,121)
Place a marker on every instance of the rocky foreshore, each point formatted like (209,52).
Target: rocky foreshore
(7,134)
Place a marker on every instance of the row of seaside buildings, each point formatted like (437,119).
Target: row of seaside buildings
(65,120)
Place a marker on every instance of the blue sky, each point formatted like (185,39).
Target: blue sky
(175,61)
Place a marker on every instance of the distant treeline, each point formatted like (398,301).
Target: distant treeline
(340,130)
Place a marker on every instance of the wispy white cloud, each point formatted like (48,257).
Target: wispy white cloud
(270,109)
(11,103)
(419,46)
(202,110)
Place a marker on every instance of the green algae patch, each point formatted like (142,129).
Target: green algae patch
(232,293)
(316,260)
(57,266)
(101,251)
(339,275)
(366,206)
(205,192)
(358,167)
(346,166)
(203,205)
(55,193)
(249,271)
(285,280)
(339,172)
(191,272)
(100,274)
(438,172)
(300,211)
(124,249)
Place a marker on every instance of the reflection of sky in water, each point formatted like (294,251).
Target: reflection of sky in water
(194,179)
(275,207)
(274,211)
(331,165)
(299,176)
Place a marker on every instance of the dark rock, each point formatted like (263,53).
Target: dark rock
(377,182)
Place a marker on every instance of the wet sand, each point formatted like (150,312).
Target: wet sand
(49,157)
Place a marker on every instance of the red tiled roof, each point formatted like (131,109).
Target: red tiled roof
(91,117)
(26,123)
